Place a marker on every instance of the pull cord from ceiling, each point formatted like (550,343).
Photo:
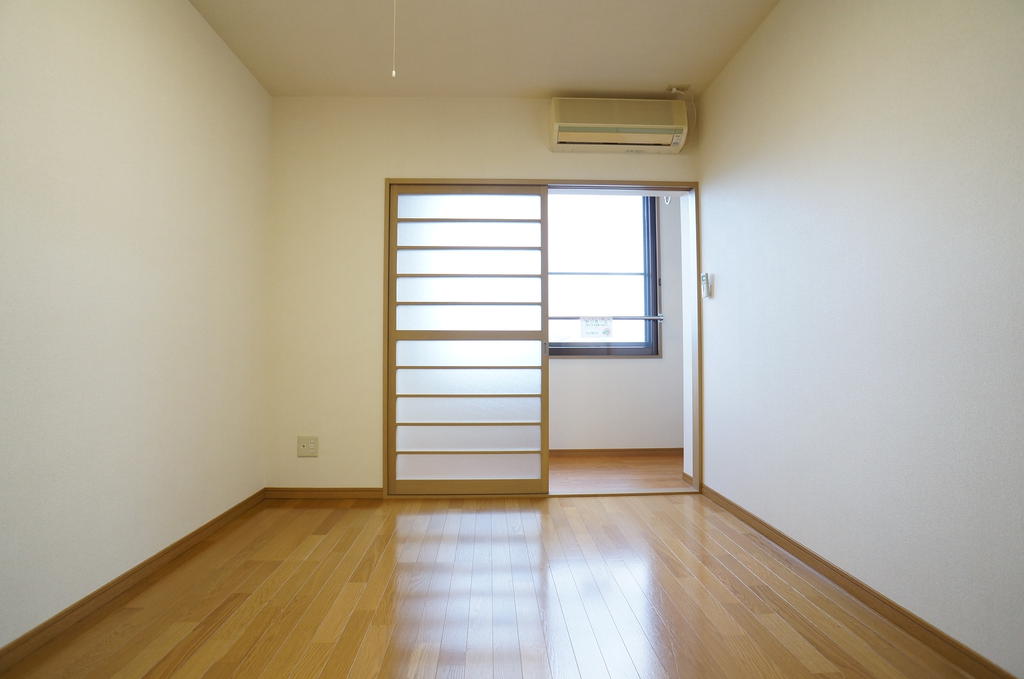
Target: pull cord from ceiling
(394,40)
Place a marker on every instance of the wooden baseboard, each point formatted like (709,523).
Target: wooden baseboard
(92,603)
(963,657)
(323,493)
(617,451)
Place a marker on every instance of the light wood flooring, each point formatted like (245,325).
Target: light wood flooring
(606,472)
(635,586)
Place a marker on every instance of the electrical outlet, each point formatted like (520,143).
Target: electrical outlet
(308,446)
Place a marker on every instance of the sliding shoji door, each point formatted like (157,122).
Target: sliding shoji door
(467,371)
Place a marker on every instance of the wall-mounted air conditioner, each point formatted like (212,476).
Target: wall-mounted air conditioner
(616,125)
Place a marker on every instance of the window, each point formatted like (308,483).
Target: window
(602,274)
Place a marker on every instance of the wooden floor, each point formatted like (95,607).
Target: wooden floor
(634,586)
(583,473)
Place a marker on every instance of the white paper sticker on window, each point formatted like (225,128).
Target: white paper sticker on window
(596,326)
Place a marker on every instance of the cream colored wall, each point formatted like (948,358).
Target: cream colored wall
(133,186)
(330,158)
(862,214)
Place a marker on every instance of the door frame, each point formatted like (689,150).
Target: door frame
(693,239)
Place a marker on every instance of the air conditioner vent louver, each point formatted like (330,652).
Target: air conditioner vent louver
(616,125)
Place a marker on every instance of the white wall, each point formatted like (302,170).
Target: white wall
(629,402)
(330,158)
(134,159)
(864,369)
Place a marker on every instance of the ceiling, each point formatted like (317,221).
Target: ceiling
(518,48)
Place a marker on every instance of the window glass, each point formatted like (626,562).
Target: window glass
(602,262)
(588,233)
(596,295)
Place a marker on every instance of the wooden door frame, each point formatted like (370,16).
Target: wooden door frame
(697,357)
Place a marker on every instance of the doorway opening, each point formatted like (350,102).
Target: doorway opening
(541,338)
(622,299)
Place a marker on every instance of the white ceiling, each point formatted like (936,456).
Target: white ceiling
(521,48)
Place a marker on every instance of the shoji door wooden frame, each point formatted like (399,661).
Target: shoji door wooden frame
(518,486)
(499,487)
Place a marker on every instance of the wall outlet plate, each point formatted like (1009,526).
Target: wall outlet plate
(308,446)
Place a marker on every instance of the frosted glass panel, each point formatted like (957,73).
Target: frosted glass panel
(468,317)
(468,381)
(596,295)
(489,234)
(468,466)
(468,206)
(468,290)
(588,232)
(622,331)
(469,261)
(468,352)
(468,293)
(411,437)
(468,409)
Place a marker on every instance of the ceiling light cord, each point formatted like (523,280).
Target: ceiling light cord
(394,40)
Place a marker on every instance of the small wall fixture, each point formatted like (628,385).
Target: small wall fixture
(705,285)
